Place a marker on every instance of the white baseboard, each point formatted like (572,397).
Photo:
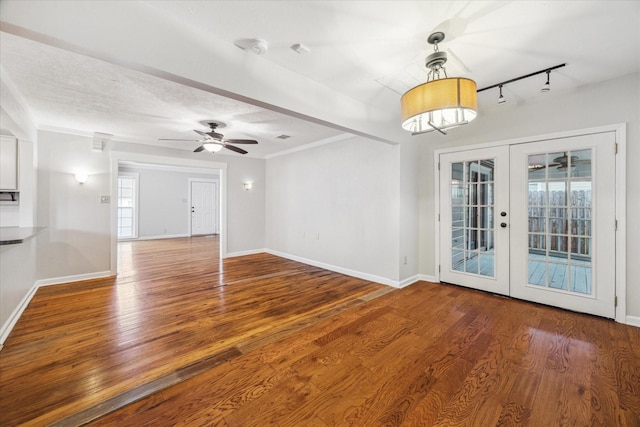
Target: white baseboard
(162,236)
(427,278)
(341,270)
(243,253)
(409,281)
(633,321)
(74,278)
(6,328)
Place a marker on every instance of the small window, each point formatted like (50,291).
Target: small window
(127,205)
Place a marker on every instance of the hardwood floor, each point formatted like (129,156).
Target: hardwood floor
(179,339)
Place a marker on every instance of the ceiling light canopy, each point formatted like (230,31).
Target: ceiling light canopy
(442,102)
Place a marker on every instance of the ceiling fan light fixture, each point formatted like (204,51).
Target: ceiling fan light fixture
(212,147)
(440,103)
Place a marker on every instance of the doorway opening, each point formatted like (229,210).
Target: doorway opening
(164,201)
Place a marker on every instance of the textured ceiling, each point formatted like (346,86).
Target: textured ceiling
(70,92)
(370,51)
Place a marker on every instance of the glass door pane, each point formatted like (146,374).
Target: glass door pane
(472,217)
(559,185)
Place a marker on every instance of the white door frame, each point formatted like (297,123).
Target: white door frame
(120,156)
(621,205)
(215,181)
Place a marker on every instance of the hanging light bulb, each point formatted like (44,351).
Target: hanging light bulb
(546,87)
(501,99)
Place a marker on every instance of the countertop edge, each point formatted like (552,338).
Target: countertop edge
(17,235)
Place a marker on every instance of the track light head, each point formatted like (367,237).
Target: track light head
(546,87)
(501,99)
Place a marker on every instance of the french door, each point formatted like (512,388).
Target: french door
(535,221)
(474,191)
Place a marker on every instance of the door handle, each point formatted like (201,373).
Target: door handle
(193,209)
(503,213)
(503,224)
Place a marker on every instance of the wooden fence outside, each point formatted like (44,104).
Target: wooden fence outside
(566,225)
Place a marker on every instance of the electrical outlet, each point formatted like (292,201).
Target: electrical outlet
(105,199)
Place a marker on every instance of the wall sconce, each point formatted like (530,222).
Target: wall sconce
(81,177)
(248,185)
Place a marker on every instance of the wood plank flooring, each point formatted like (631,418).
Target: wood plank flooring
(173,305)
(260,340)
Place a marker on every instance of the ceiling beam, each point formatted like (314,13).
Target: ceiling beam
(136,36)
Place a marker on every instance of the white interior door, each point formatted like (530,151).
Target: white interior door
(474,202)
(563,223)
(204,207)
(535,221)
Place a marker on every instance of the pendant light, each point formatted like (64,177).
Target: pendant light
(442,102)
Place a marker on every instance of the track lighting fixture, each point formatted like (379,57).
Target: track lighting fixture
(501,99)
(546,87)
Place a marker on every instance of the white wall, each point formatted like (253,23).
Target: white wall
(607,103)
(245,209)
(77,238)
(409,210)
(163,201)
(337,204)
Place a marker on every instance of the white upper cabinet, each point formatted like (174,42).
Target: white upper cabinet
(8,164)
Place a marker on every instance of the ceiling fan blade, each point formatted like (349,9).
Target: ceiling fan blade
(536,167)
(241,141)
(236,149)
(199,149)
(171,139)
(199,132)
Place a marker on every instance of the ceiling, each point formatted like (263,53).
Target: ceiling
(366,51)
